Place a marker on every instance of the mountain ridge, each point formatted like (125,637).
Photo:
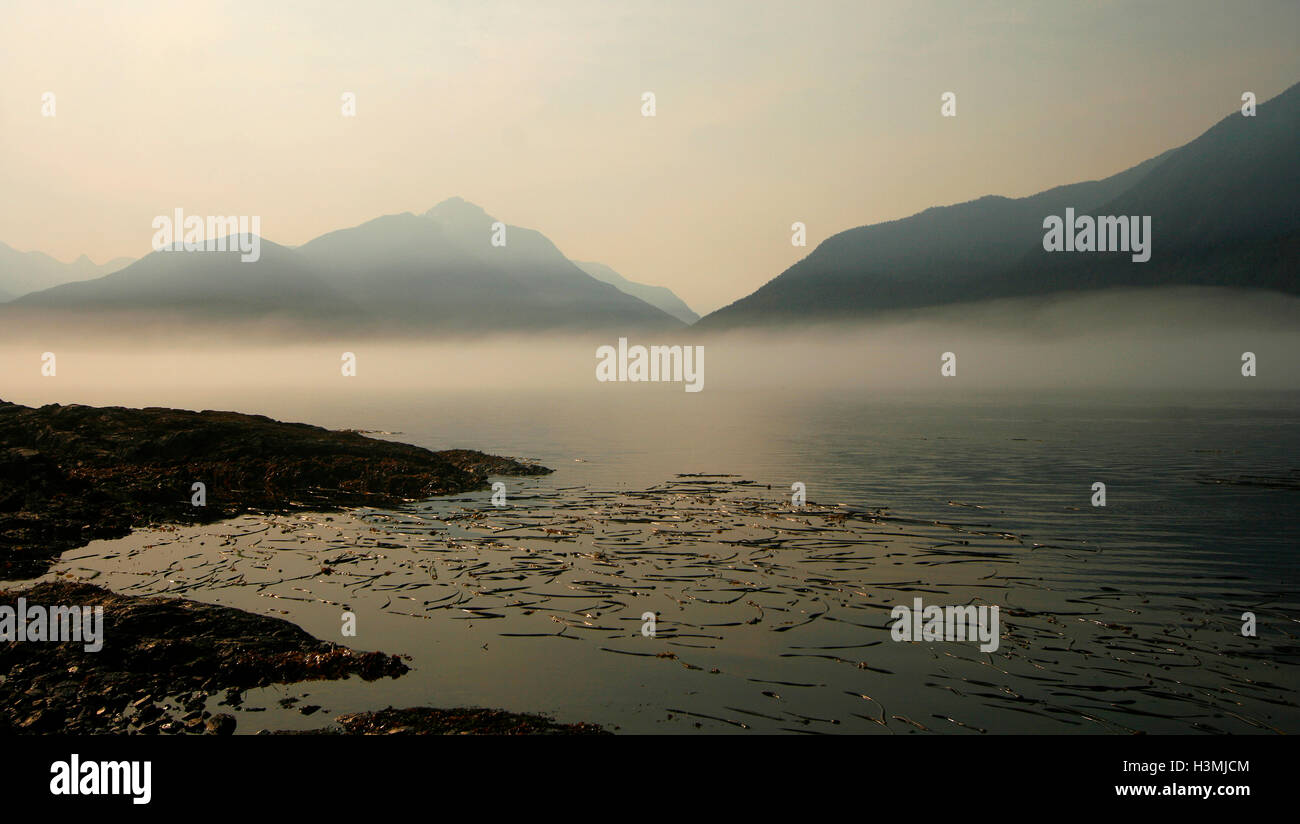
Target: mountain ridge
(660,296)
(438,270)
(991,247)
(22,273)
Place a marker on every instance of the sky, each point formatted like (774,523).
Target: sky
(766,113)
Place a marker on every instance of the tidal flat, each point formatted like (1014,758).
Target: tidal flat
(767,617)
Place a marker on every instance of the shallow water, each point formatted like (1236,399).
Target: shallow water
(1113,619)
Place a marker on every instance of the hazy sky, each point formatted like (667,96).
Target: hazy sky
(767,113)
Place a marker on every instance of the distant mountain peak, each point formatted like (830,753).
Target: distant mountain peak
(457,209)
(22,273)
(409,272)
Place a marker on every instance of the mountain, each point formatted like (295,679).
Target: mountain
(1223,213)
(660,296)
(213,284)
(441,269)
(23,272)
(437,271)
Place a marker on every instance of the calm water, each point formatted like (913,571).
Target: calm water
(1117,618)
(1028,461)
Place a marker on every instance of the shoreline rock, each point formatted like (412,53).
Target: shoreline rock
(73,474)
(458,721)
(156,647)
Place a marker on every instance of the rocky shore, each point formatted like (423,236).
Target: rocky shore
(156,647)
(73,474)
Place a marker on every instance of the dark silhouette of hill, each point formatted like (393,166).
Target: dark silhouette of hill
(1223,211)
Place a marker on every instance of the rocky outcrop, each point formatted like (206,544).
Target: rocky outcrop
(72,474)
(153,648)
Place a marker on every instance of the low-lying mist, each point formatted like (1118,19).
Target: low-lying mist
(1171,340)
